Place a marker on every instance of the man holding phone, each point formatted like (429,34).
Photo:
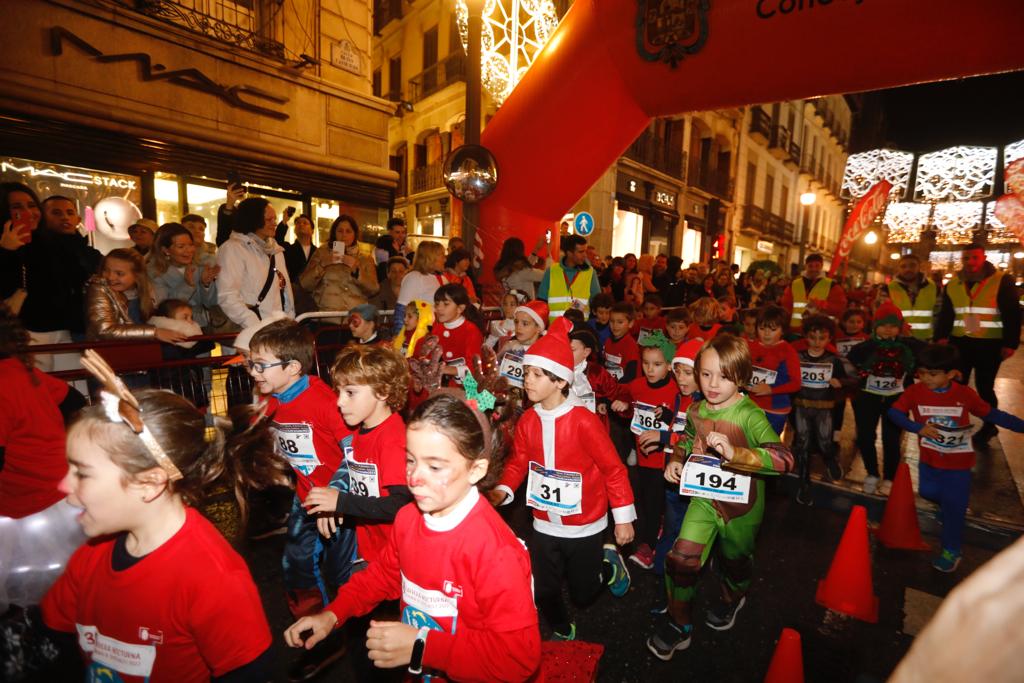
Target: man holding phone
(225,214)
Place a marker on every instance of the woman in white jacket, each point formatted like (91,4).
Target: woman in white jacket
(253,280)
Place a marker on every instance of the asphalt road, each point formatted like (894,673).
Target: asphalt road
(795,548)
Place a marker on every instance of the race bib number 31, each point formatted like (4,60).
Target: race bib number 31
(703,477)
(556,492)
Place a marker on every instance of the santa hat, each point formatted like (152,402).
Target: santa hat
(536,309)
(888,314)
(552,351)
(686,353)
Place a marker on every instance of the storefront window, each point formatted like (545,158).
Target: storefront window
(627,232)
(168,198)
(107,202)
(691,247)
(371,220)
(204,201)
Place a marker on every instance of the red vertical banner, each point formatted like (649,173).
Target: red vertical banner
(863,215)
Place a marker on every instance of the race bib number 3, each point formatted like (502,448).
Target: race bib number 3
(815,375)
(883,386)
(613,364)
(558,492)
(703,477)
(295,444)
(363,480)
(645,419)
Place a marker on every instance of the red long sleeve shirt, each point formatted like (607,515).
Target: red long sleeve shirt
(467,578)
(647,398)
(622,358)
(782,360)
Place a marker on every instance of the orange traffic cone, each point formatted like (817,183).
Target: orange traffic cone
(899,523)
(848,588)
(788,662)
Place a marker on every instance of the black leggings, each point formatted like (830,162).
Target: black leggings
(579,560)
(868,409)
(649,498)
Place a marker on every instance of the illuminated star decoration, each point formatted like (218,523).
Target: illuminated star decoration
(478,400)
(514,32)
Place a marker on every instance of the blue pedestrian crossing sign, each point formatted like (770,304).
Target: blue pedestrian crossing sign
(583,223)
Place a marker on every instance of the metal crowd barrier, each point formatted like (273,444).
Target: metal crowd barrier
(206,381)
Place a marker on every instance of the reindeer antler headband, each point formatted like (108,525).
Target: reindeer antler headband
(120,405)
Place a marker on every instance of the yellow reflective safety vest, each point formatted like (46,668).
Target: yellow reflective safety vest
(920,313)
(820,290)
(562,293)
(976,316)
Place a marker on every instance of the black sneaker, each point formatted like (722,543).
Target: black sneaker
(668,638)
(722,616)
(833,470)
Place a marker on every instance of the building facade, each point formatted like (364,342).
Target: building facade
(155,105)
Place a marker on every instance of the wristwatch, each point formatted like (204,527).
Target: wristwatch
(416,661)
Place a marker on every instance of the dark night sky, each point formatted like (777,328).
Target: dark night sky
(986,110)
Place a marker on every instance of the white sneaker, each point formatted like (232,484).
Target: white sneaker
(631,458)
(885,487)
(870,485)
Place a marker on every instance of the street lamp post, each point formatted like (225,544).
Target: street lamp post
(471,210)
(806,200)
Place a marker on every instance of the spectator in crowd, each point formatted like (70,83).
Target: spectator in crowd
(142,232)
(707,287)
(613,280)
(206,252)
(174,274)
(387,297)
(297,256)
(341,275)
(253,280)
(571,282)
(422,281)
(514,271)
(392,244)
(119,301)
(455,244)
(226,213)
(642,281)
(457,269)
(724,284)
(50,265)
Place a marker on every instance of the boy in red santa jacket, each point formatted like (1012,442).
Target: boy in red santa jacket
(574,476)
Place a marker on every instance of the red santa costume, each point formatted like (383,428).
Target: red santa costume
(460,340)
(573,476)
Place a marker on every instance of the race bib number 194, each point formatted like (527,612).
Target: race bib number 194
(703,477)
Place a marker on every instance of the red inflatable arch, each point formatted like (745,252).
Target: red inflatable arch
(590,92)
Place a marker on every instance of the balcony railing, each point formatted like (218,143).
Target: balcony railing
(754,218)
(779,145)
(236,26)
(760,125)
(393,95)
(779,228)
(451,69)
(651,150)
(383,12)
(767,224)
(793,160)
(426,177)
(713,182)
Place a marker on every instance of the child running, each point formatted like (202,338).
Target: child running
(776,369)
(573,476)
(705,325)
(310,436)
(530,320)
(418,319)
(459,337)
(592,385)
(652,398)
(158,594)
(938,410)
(822,379)
(726,429)
(883,363)
(462,576)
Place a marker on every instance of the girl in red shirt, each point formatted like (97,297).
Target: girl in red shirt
(158,594)
(456,329)
(462,576)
